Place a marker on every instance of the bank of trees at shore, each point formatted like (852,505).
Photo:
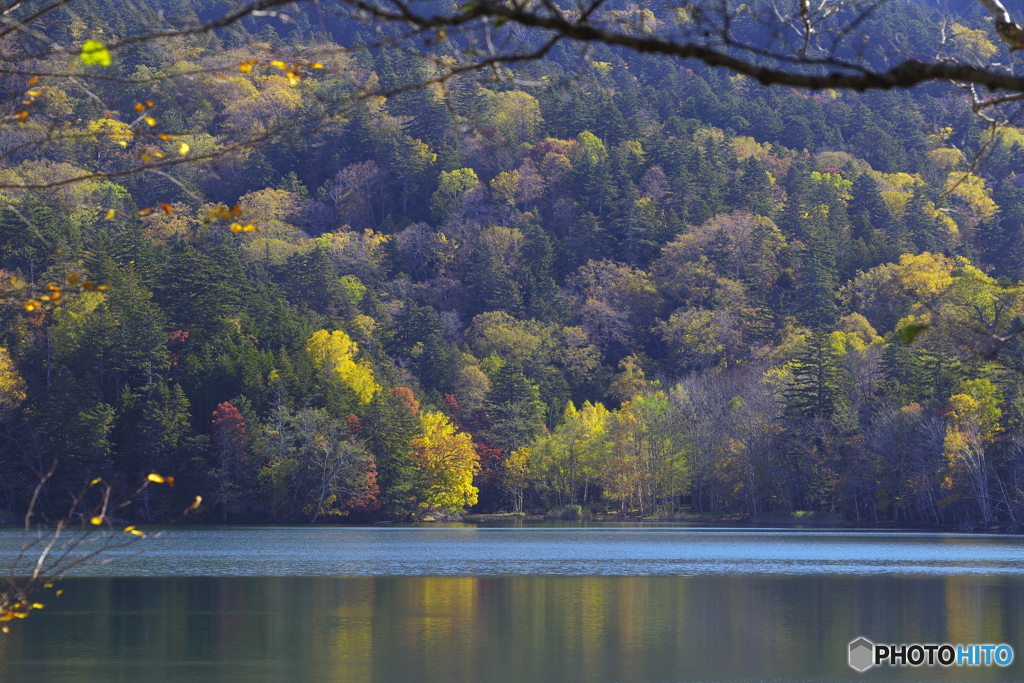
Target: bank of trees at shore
(650,288)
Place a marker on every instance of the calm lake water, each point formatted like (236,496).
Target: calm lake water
(532,604)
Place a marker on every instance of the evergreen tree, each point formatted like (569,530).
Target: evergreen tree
(391,425)
(514,407)
(820,384)
(820,279)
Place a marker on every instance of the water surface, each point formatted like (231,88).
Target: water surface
(620,550)
(532,605)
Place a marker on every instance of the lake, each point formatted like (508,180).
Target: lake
(597,603)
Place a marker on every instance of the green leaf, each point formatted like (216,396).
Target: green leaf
(95,52)
(909,333)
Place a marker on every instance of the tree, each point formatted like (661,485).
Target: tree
(650,440)
(515,409)
(266,94)
(230,457)
(515,476)
(80,535)
(820,385)
(313,465)
(974,420)
(334,354)
(12,386)
(566,463)
(448,461)
(453,187)
(391,425)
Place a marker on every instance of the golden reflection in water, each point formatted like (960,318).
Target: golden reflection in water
(348,638)
(976,613)
(503,629)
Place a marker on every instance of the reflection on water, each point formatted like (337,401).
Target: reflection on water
(505,628)
(483,605)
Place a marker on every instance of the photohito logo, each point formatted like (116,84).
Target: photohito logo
(864,654)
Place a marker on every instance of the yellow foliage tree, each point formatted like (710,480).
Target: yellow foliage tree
(505,186)
(12,386)
(973,422)
(514,115)
(973,44)
(335,355)
(110,135)
(971,190)
(926,275)
(449,462)
(516,476)
(946,158)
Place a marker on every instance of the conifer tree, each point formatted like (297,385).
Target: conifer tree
(515,408)
(391,426)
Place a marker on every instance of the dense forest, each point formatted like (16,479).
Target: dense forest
(632,284)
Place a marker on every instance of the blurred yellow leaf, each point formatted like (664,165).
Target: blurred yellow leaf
(21,115)
(110,214)
(140,107)
(196,502)
(145,212)
(183,148)
(38,605)
(95,52)
(96,521)
(150,120)
(154,477)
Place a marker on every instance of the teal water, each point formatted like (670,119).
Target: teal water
(586,604)
(606,550)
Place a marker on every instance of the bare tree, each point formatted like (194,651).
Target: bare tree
(51,548)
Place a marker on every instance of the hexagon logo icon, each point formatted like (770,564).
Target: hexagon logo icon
(862,654)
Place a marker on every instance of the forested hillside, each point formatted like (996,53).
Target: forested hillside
(632,284)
